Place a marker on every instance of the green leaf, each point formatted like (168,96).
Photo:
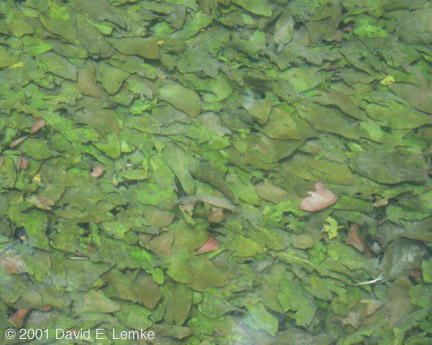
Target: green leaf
(112,78)
(33,221)
(95,301)
(263,319)
(427,270)
(193,25)
(293,298)
(389,167)
(259,7)
(179,269)
(134,316)
(110,146)
(245,247)
(181,98)
(328,120)
(178,301)
(331,227)
(58,65)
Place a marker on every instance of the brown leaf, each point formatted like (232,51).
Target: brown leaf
(18,141)
(97,171)
(353,318)
(23,163)
(47,307)
(380,203)
(354,239)
(187,204)
(38,125)
(371,306)
(216,215)
(45,201)
(18,317)
(398,303)
(318,200)
(162,244)
(211,245)
(147,291)
(12,261)
(40,202)
(91,249)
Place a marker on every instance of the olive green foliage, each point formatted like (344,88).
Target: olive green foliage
(154,156)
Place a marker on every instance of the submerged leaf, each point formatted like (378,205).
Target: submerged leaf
(420,97)
(211,245)
(38,125)
(181,98)
(318,200)
(145,47)
(18,317)
(390,167)
(12,261)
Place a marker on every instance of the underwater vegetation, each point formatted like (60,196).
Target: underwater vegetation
(215,172)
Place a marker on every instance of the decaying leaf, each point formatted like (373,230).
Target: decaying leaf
(110,109)
(40,202)
(18,141)
(354,239)
(371,306)
(22,164)
(216,215)
(38,125)
(12,261)
(211,245)
(18,317)
(318,200)
(97,171)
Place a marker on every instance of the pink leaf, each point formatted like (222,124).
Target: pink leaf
(354,239)
(18,317)
(318,200)
(211,245)
(38,125)
(18,141)
(97,171)
(22,164)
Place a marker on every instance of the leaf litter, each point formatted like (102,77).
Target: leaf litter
(158,162)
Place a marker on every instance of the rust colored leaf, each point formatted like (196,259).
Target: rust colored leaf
(18,317)
(12,261)
(354,239)
(47,307)
(38,125)
(18,141)
(97,171)
(45,202)
(22,164)
(91,249)
(318,200)
(211,245)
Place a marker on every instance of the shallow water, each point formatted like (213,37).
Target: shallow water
(215,172)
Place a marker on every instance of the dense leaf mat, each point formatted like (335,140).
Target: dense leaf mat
(216,172)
